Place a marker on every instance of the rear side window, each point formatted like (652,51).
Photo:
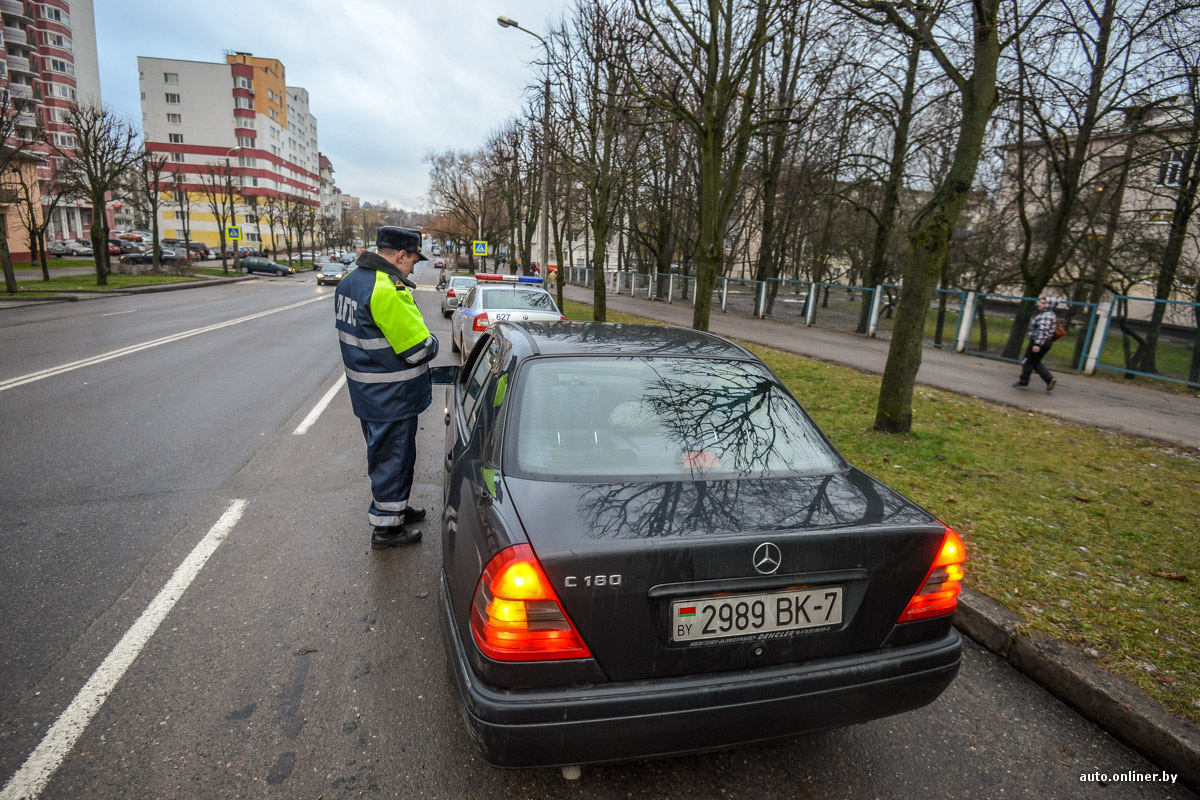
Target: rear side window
(518,299)
(659,419)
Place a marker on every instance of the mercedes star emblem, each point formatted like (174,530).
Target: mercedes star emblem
(766,558)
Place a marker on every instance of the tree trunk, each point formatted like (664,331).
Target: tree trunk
(877,269)
(931,231)
(10,276)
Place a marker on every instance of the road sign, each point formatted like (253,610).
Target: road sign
(480,248)
(233,232)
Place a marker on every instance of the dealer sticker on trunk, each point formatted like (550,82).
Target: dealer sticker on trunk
(771,615)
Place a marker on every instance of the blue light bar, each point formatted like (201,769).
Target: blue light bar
(526,279)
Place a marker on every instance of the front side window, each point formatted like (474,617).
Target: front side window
(606,418)
(472,387)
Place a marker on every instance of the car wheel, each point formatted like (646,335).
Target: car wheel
(447,314)
(246,270)
(320,282)
(279,272)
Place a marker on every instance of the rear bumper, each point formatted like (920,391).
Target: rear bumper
(644,719)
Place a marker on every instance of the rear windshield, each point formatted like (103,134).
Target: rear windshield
(462,283)
(660,419)
(519,299)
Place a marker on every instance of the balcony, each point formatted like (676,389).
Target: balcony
(19,64)
(16,9)
(22,90)
(14,35)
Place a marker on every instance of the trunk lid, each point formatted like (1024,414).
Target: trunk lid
(629,560)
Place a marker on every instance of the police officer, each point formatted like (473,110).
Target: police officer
(386,348)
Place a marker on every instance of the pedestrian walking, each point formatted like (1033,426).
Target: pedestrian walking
(1041,337)
(386,349)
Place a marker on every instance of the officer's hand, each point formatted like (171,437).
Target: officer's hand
(1037,349)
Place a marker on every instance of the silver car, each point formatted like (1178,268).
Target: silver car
(458,287)
(488,302)
(331,272)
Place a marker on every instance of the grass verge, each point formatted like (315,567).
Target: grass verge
(68,283)
(1088,535)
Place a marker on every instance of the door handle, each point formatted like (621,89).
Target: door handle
(447,416)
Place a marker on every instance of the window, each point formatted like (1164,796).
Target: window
(682,419)
(1170,169)
(174,119)
(251,237)
(245,141)
(64,141)
(56,14)
(58,65)
(177,157)
(243,102)
(175,138)
(242,83)
(143,95)
(247,161)
(172,99)
(271,95)
(274,150)
(472,387)
(58,40)
(170,77)
(1162,217)
(68,92)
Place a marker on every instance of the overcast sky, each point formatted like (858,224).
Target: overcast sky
(388,80)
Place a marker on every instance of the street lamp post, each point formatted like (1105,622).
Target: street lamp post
(237,249)
(505,22)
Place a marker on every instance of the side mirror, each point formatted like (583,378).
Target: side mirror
(444,376)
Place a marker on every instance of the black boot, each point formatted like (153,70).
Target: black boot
(412,515)
(393,536)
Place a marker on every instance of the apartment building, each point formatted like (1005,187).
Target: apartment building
(331,196)
(240,115)
(48,60)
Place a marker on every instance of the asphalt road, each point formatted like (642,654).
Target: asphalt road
(299,663)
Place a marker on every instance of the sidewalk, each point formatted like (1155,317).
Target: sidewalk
(1127,407)
(76,295)
(1111,702)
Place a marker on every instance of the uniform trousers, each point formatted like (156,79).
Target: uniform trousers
(391,458)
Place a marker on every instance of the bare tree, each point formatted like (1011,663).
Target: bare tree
(929,234)
(102,148)
(219,193)
(707,60)
(147,193)
(36,202)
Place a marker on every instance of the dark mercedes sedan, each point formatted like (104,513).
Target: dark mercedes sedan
(649,548)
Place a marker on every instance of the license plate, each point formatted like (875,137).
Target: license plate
(773,614)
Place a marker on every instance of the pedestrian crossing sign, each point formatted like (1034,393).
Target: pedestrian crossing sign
(480,248)
(233,232)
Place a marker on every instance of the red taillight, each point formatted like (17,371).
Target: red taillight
(481,322)
(562,319)
(939,592)
(450,293)
(517,617)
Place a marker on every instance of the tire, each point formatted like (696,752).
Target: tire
(246,270)
(447,314)
(453,343)
(279,272)
(320,282)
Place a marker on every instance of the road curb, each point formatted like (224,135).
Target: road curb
(1113,703)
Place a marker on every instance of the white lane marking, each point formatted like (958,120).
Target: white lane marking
(29,781)
(12,383)
(315,414)
(115,313)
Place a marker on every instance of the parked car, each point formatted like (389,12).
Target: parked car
(70,248)
(349,258)
(459,284)
(114,247)
(259,264)
(331,272)
(649,548)
(166,256)
(491,301)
